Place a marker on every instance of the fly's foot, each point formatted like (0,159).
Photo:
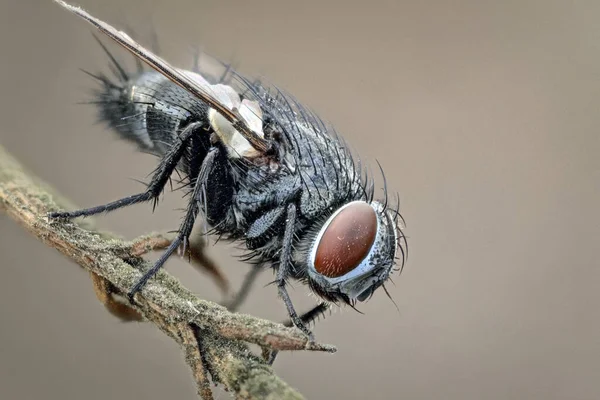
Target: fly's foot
(306,318)
(270,355)
(193,251)
(63,216)
(131,296)
(298,323)
(59,215)
(136,288)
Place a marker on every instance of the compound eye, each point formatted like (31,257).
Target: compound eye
(347,240)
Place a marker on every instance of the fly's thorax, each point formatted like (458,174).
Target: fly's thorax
(353,252)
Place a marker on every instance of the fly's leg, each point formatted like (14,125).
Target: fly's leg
(185,229)
(155,187)
(307,318)
(241,295)
(196,254)
(284,271)
(270,221)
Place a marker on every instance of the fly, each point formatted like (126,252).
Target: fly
(261,168)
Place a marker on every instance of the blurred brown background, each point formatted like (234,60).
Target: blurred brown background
(485,116)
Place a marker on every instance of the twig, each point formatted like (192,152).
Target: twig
(213,339)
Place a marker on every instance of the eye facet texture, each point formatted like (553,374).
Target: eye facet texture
(347,240)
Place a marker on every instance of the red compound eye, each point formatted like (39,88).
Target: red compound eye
(346,240)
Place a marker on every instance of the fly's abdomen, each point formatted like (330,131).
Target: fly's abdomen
(148,109)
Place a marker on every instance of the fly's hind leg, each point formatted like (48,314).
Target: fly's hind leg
(155,187)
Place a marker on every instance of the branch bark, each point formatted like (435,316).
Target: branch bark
(212,338)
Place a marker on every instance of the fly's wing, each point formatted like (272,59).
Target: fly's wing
(231,116)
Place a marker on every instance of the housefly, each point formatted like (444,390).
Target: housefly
(261,169)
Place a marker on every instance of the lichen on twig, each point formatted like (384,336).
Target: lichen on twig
(213,339)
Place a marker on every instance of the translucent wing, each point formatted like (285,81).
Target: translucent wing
(216,96)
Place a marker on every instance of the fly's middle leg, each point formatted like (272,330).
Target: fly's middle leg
(185,230)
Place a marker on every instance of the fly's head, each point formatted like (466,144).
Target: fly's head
(354,252)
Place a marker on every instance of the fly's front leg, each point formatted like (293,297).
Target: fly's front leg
(155,187)
(187,224)
(284,271)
